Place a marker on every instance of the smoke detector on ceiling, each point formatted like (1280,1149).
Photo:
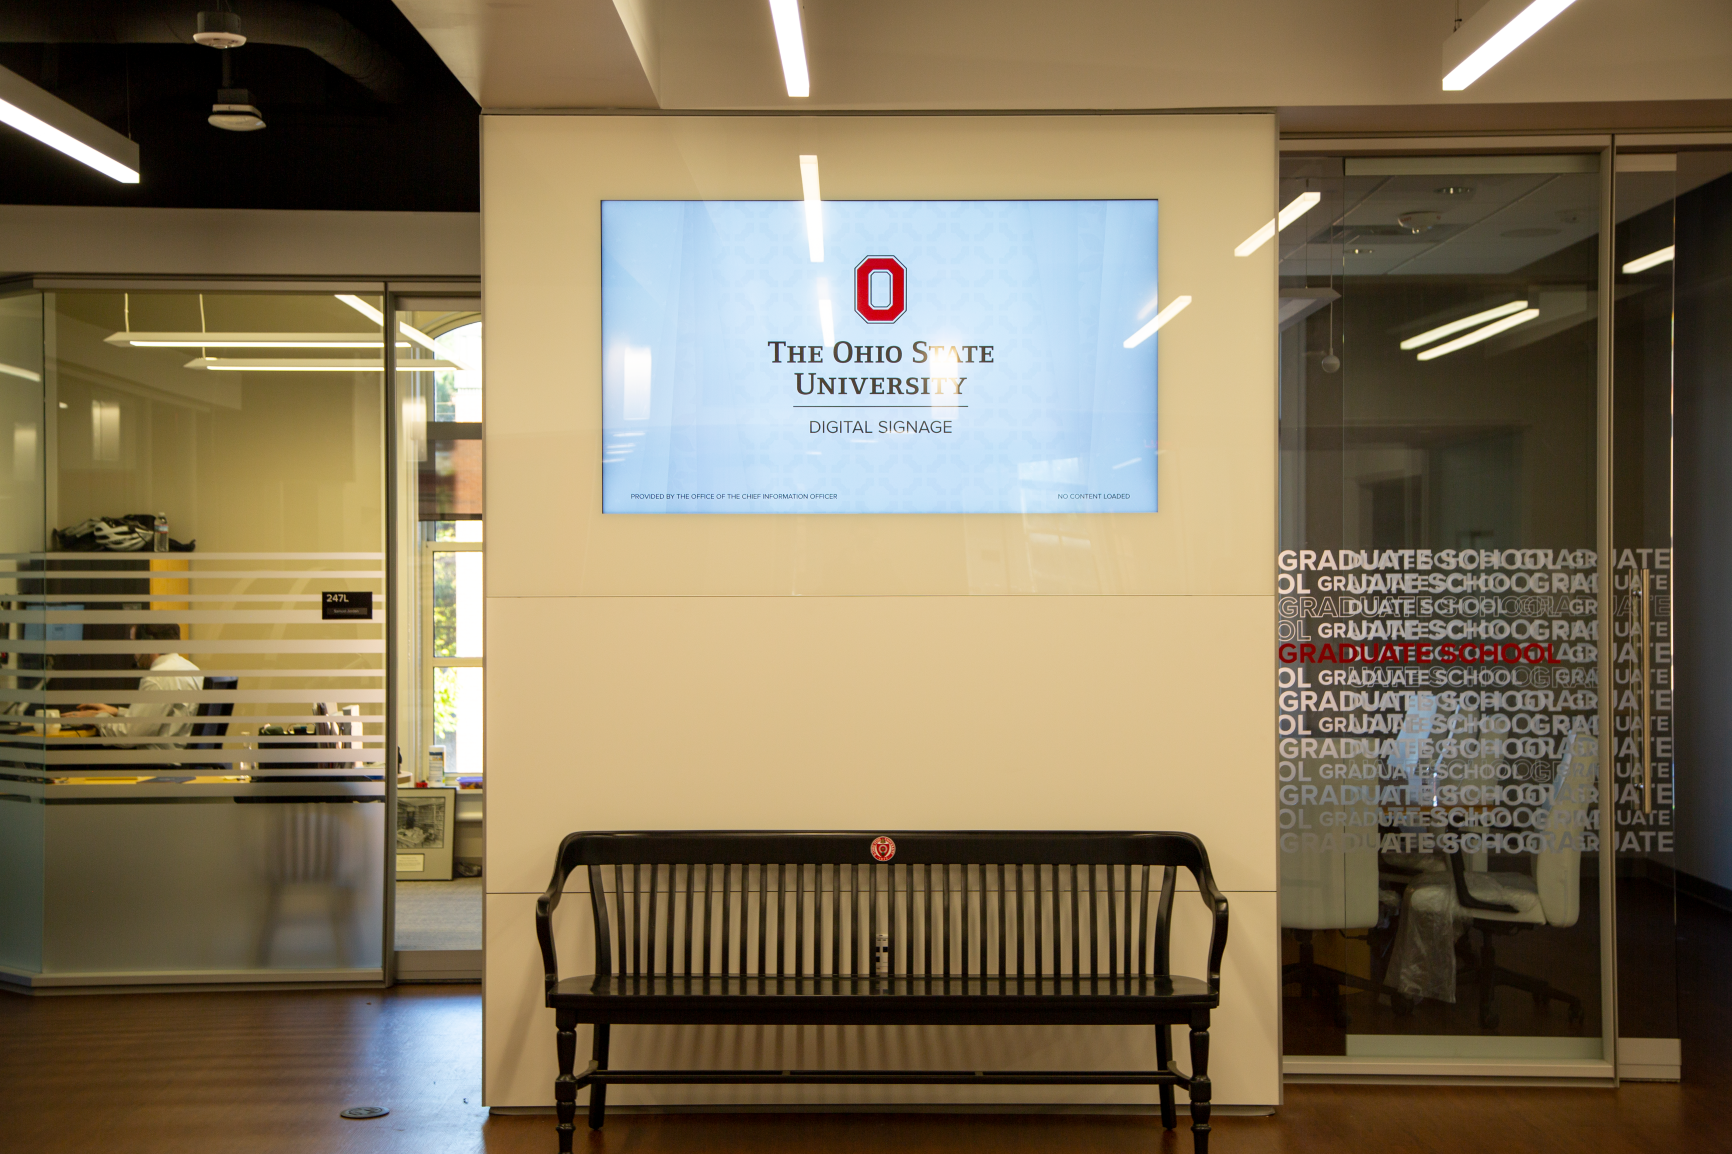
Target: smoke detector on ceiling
(219,30)
(234,111)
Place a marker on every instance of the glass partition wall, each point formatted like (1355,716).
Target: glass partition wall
(438,863)
(193,699)
(1442,580)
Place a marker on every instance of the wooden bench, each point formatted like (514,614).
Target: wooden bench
(862,928)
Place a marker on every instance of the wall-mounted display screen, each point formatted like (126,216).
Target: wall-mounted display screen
(879,356)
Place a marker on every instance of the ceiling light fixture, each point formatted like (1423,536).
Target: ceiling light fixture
(814,208)
(1296,208)
(1644,263)
(791,43)
(1160,318)
(1442,331)
(15,371)
(1479,335)
(44,116)
(1491,34)
(431,344)
(249,340)
(234,111)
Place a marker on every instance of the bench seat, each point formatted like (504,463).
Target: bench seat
(1149,1000)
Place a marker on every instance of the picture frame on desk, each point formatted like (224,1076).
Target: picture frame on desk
(426,830)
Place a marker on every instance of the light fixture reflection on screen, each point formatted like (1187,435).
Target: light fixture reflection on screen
(814,208)
(827,320)
(1154,326)
(637,385)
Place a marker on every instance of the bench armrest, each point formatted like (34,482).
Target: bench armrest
(1217,903)
(544,907)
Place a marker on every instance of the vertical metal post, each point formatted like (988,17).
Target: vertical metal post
(394,587)
(1607,603)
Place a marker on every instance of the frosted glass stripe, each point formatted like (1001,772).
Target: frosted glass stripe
(81,598)
(185,574)
(195,647)
(207,671)
(207,756)
(345,696)
(248,719)
(181,617)
(89,554)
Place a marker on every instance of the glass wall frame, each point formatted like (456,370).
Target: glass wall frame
(354,760)
(1400,490)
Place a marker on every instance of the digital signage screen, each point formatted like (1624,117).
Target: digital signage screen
(893,357)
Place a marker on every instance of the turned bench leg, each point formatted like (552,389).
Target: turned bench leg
(598,1090)
(1200,1083)
(565,1086)
(1164,1055)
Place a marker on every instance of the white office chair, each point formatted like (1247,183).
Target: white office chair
(1554,880)
(1330,890)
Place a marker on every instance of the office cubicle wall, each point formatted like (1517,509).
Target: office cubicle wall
(1034,670)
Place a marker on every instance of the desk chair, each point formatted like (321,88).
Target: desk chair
(213,729)
(1329,890)
(1555,879)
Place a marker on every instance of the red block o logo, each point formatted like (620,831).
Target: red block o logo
(883,849)
(863,289)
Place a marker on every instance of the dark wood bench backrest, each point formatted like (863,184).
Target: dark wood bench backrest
(1013,904)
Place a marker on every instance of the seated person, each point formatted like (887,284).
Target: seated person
(152,718)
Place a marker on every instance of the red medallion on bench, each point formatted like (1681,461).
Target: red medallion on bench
(883,849)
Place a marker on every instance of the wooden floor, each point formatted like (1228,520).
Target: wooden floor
(266,1073)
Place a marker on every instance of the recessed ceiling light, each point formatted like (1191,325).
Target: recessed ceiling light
(1296,208)
(791,43)
(1492,33)
(1454,190)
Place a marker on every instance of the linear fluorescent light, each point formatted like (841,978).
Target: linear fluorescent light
(827,320)
(1154,325)
(311,365)
(1644,263)
(1442,331)
(814,208)
(414,334)
(27,374)
(1479,335)
(1296,208)
(249,340)
(791,43)
(44,116)
(1491,34)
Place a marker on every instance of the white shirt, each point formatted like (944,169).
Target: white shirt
(142,716)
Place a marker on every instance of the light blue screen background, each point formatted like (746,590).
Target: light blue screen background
(1063,420)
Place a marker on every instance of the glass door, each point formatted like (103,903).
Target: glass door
(1442,869)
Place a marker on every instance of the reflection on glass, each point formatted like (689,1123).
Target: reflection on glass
(1439,694)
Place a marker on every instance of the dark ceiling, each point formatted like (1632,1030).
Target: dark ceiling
(330,143)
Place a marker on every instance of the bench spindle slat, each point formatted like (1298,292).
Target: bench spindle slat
(1021,921)
(910,917)
(799,919)
(1112,922)
(1164,919)
(727,878)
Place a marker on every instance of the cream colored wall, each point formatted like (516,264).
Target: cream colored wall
(887,672)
